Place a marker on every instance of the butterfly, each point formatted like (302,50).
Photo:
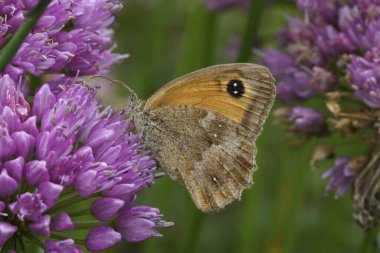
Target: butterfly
(202,129)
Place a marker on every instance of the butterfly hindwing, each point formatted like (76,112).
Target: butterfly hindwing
(211,155)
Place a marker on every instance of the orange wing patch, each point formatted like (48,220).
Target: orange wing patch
(244,93)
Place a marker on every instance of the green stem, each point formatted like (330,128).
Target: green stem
(86,225)
(197,219)
(34,239)
(59,237)
(79,213)
(22,245)
(368,244)
(11,48)
(251,30)
(70,200)
(197,47)
(62,238)
(67,191)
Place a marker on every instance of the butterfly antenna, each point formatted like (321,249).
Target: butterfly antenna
(117,82)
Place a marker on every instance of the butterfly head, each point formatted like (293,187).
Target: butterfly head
(134,104)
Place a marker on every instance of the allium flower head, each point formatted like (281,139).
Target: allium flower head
(332,55)
(66,162)
(63,150)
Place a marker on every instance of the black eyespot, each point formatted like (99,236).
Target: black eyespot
(235,88)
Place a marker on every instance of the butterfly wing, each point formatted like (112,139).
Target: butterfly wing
(212,156)
(202,128)
(242,92)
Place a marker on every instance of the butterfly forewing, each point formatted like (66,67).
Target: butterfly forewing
(242,92)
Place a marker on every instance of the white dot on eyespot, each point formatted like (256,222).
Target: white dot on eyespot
(215,135)
(235,84)
(214,179)
(235,92)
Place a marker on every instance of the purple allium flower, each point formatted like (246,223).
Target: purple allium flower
(315,53)
(65,150)
(72,36)
(219,5)
(365,76)
(341,176)
(332,56)
(306,119)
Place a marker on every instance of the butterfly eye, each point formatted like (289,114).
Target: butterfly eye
(235,88)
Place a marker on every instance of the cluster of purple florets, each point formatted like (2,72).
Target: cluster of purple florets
(334,48)
(66,162)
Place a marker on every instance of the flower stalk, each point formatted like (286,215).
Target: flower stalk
(255,12)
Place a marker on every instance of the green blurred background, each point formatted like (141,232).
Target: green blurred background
(286,210)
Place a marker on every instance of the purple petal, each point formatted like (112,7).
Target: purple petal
(15,167)
(8,146)
(137,223)
(36,172)
(12,120)
(49,192)
(66,246)
(6,232)
(30,126)
(2,206)
(42,144)
(8,184)
(43,101)
(84,183)
(6,83)
(120,190)
(105,209)
(24,143)
(102,238)
(62,222)
(138,230)
(99,137)
(306,119)
(341,176)
(41,226)
(29,206)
